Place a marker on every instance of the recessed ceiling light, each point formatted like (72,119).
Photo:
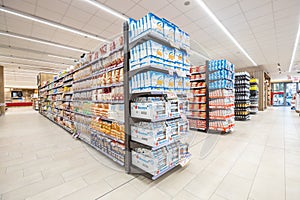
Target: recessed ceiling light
(107,9)
(222,27)
(295,48)
(50,23)
(41,41)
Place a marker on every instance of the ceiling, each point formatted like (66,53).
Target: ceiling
(266,29)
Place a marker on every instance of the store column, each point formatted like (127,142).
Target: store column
(2,103)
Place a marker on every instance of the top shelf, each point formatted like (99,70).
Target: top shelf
(84,66)
(152,35)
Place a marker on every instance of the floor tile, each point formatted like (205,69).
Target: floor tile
(244,169)
(292,189)
(91,191)
(204,185)
(234,187)
(33,189)
(60,190)
(267,188)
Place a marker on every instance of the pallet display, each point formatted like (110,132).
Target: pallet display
(156,87)
(221,96)
(242,96)
(254,96)
(198,104)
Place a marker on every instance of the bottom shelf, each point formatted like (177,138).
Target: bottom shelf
(198,129)
(64,127)
(181,163)
(86,141)
(101,151)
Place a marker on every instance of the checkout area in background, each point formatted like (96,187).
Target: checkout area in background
(283,92)
(16,97)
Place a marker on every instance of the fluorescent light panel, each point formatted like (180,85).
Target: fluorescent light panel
(295,49)
(107,9)
(33,60)
(216,20)
(41,41)
(50,23)
(21,64)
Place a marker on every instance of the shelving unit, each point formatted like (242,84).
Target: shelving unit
(52,106)
(155,90)
(254,96)
(198,104)
(242,96)
(89,98)
(221,96)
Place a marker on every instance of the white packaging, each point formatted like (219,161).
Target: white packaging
(156,23)
(156,80)
(169,57)
(169,30)
(178,36)
(132,28)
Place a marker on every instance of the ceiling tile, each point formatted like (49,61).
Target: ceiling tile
(23,6)
(54,5)
(181,21)
(179,4)
(120,6)
(137,12)
(68,21)
(78,14)
(217,5)
(48,14)
(155,5)
(96,25)
(284,4)
(228,12)
(84,6)
(248,5)
(169,12)
(260,11)
(195,13)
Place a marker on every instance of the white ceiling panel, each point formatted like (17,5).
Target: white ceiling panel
(169,12)
(120,7)
(137,12)
(179,4)
(216,5)
(155,5)
(229,12)
(284,4)
(252,5)
(71,22)
(20,5)
(56,6)
(48,14)
(78,14)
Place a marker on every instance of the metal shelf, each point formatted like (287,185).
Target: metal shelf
(108,136)
(108,86)
(111,102)
(101,151)
(83,90)
(105,70)
(152,35)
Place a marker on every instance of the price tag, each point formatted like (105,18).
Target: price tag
(171,72)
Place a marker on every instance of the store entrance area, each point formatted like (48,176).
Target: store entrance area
(259,160)
(282,93)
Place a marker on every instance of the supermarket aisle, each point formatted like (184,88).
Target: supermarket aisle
(260,160)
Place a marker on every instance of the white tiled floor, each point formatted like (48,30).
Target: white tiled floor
(259,160)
